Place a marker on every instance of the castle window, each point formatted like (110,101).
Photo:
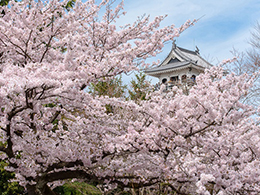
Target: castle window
(183,78)
(174,79)
(193,78)
(164,81)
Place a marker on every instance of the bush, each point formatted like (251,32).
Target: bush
(77,188)
(7,187)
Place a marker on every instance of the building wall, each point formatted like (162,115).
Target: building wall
(186,72)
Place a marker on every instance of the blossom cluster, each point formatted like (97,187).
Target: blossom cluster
(204,142)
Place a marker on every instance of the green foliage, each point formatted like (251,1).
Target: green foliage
(70,4)
(4,2)
(50,105)
(139,87)
(77,188)
(111,88)
(7,187)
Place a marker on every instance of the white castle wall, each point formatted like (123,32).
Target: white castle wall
(186,72)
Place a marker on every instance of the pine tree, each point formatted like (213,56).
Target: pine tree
(139,87)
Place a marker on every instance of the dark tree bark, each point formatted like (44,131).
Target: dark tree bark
(44,190)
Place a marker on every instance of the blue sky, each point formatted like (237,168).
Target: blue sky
(225,24)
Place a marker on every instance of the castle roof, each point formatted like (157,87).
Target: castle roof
(180,58)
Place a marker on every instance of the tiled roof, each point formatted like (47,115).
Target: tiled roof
(180,58)
(172,67)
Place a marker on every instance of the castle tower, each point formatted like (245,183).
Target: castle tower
(180,67)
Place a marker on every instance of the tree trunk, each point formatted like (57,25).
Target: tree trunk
(45,190)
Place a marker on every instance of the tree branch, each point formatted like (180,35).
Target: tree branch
(80,174)
(54,117)
(23,51)
(9,149)
(2,148)
(26,46)
(47,48)
(191,134)
(64,164)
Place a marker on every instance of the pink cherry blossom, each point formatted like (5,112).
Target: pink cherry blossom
(206,142)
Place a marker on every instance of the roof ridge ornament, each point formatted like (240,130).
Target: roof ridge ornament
(174,44)
(197,50)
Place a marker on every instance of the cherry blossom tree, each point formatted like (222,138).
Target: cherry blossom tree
(248,62)
(206,142)
(201,143)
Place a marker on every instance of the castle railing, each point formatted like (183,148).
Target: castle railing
(185,84)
